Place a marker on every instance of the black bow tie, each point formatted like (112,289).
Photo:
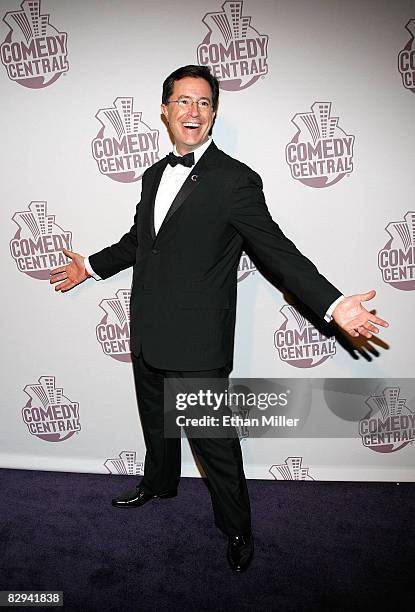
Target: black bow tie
(185,160)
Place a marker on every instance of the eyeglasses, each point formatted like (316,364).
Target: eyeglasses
(186,103)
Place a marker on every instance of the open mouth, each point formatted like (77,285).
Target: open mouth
(191,126)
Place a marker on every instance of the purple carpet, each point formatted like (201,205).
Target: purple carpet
(318,545)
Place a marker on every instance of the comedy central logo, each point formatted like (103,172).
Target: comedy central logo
(126,464)
(292,469)
(299,343)
(245,268)
(34,53)
(406,59)
(125,146)
(234,51)
(38,243)
(49,414)
(390,424)
(113,331)
(321,153)
(396,260)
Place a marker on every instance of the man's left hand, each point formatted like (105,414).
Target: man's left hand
(354,319)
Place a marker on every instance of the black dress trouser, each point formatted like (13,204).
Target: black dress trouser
(220,458)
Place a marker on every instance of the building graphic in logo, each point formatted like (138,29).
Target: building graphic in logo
(34,53)
(49,414)
(291,470)
(320,153)
(38,243)
(406,59)
(246,267)
(125,464)
(299,343)
(396,260)
(390,424)
(125,146)
(241,428)
(113,331)
(234,51)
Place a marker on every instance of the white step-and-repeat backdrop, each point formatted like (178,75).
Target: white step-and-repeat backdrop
(319,98)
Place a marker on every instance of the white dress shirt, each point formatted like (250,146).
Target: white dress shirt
(171,181)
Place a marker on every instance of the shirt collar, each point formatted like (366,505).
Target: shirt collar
(197,152)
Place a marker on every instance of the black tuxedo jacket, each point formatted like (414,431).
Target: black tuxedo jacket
(183,296)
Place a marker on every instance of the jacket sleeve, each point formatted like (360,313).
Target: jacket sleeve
(278,255)
(119,256)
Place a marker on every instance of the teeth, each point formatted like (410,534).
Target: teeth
(189,124)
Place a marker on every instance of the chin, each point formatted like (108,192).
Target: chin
(192,143)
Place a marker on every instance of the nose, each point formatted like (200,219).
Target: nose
(194,109)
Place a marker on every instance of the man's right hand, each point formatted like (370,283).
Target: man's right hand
(70,275)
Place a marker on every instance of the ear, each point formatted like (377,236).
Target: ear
(165,111)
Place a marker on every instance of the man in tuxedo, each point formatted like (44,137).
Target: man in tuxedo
(198,208)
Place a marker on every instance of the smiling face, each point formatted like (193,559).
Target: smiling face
(190,127)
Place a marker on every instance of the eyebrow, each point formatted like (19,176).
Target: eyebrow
(202,98)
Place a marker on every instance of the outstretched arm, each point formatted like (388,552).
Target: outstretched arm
(353,317)
(106,263)
(277,253)
(298,274)
(71,274)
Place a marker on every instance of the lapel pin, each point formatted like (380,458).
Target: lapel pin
(194,177)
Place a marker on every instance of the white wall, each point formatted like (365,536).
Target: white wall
(342,53)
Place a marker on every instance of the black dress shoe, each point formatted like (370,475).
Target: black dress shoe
(137,497)
(240,552)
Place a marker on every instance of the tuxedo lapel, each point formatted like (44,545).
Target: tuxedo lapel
(192,181)
(195,178)
(153,192)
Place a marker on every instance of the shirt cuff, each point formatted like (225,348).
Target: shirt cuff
(328,316)
(90,271)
